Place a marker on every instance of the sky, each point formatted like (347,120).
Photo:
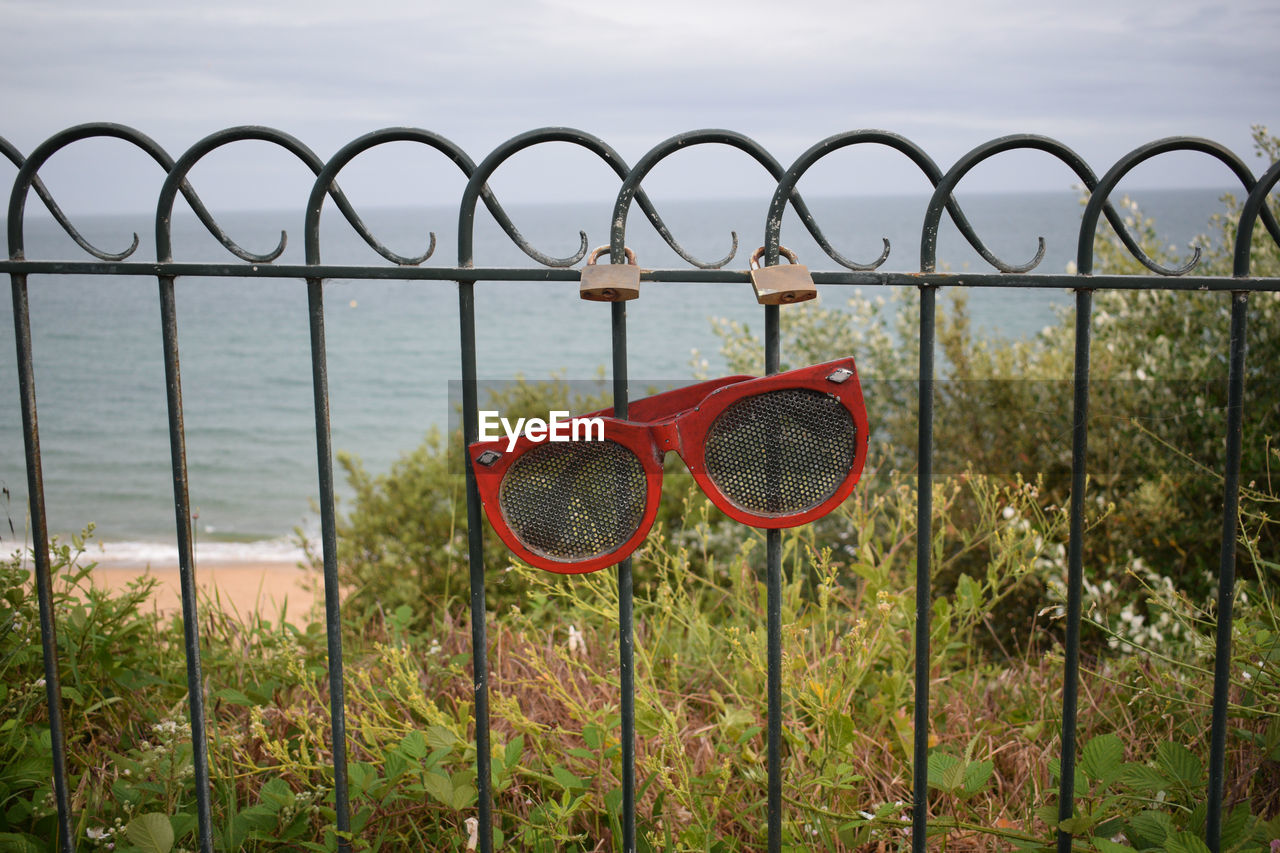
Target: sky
(1102,77)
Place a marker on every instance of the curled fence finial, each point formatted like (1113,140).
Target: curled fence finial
(786,193)
(477,189)
(177,179)
(631,189)
(651,213)
(1254,205)
(326,184)
(943,196)
(1099,198)
(27,179)
(942,199)
(598,147)
(42,191)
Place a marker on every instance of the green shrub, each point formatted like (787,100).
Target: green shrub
(1157,403)
(701,707)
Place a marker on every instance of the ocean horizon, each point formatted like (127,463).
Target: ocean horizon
(393,346)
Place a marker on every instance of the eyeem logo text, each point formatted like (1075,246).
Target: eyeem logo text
(558,427)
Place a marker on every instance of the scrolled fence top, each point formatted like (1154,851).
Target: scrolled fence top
(326,175)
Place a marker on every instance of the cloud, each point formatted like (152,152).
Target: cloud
(1103,77)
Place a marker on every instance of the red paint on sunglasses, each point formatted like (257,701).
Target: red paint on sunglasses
(679,420)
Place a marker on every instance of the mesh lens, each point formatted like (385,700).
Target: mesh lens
(571,501)
(781,452)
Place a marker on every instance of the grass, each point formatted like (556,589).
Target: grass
(701,709)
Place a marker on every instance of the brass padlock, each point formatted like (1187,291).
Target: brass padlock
(610,282)
(781,284)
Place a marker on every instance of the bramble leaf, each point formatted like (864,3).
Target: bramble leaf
(151,833)
(1103,758)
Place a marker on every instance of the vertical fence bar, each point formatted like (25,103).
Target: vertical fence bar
(329,542)
(1075,565)
(1227,570)
(924,560)
(475,544)
(626,618)
(186,562)
(40,549)
(773,581)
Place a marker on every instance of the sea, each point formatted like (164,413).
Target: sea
(393,346)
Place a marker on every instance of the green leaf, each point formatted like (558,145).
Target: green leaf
(968,593)
(464,792)
(842,728)
(414,745)
(233,697)
(183,824)
(440,737)
(513,752)
(976,775)
(395,764)
(259,818)
(886,809)
(361,775)
(1236,828)
(1103,758)
(1181,764)
(1110,826)
(1185,842)
(151,833)
(1150,827)
(1144,779)
(360,820)
(1055,772)
(567,780)
(440,787)
(14,842)
(110,700)
(1106,846)
(1048,814)
(1078,825)
(276,793)
(942,771)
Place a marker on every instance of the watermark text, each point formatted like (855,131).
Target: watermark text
(557,427)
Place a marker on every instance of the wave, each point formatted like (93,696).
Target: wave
(159,554)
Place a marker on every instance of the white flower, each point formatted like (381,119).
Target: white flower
(577,646)
(473,833)
(96,833)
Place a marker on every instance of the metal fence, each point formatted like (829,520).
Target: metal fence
(467,276)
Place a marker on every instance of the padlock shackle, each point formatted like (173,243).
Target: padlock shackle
(631,256)
(782,250)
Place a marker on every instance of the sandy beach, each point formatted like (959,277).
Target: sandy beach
(243,587)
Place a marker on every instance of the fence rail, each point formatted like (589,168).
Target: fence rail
(467,276)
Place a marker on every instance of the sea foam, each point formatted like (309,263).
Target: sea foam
(161,554)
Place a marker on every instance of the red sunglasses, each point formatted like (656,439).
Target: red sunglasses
(772,452)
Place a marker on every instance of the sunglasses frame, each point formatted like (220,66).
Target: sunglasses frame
(678,420)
